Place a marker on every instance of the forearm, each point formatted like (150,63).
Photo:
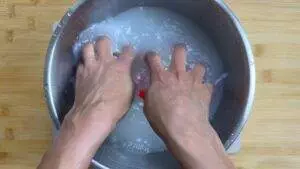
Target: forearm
(200,149)
(76,145)
(68,154)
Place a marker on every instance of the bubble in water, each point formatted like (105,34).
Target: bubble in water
(151,29)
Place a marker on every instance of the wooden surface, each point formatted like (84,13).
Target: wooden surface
(271,139)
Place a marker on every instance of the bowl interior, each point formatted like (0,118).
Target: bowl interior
(210,16)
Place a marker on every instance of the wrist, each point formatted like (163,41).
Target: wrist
(88,127)
(200,148)
(190,130)
(79,138)
(84,129)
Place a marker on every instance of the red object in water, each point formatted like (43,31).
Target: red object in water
(142,94)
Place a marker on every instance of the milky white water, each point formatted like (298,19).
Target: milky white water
(154,29)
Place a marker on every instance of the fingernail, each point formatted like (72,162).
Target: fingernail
(103,37)
(127,48)
(180,46)
(150,54)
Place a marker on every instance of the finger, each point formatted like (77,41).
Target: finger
(154,62)
(80,70)
(103,49)
(88,54)
(127,52)
(79,73)
(199,72)
(178,58)
(209,87)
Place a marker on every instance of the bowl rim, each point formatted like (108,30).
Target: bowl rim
(242,33)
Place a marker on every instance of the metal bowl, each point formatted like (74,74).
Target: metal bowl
(213,16)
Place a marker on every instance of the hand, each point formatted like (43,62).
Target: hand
(177,102)
(104,88)
(103,95)
(177,106)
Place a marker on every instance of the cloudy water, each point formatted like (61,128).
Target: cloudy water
(154,29)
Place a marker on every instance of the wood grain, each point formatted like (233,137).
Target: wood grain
(271,140)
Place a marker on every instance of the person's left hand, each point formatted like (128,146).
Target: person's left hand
(104,88)
(103,94)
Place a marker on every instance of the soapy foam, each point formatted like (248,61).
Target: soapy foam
(156,29)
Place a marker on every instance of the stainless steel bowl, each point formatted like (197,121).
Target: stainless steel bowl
(213,16)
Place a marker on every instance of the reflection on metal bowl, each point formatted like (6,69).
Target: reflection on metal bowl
(218,23)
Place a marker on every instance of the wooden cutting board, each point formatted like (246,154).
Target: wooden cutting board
(271,139)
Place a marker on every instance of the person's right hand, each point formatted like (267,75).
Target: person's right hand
(177,102)
(177,107)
